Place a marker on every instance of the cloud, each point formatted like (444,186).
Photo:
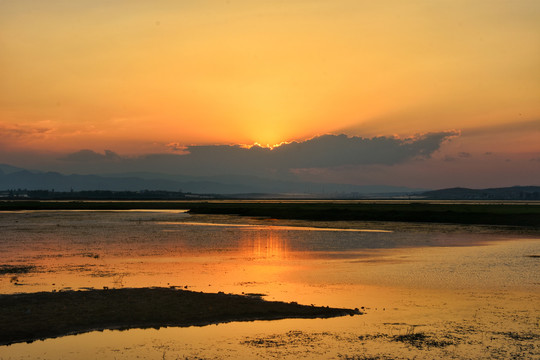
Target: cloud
(90,156)
(176,147)
(449,158)
(339,150)
(329,158)
(464,154)
(18,131)
(325,151)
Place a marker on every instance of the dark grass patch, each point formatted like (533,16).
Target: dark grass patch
(293,337)
(490,214)
(520,336)
(29,317)
(365,357)
(16,269)
(421,340)
(90,255)
(368,337)
(255,295)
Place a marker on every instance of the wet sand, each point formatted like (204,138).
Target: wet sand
(34,316)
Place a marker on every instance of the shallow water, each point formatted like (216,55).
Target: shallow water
(429,291)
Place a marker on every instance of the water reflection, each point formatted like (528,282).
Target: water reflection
(263,245)
(95,249)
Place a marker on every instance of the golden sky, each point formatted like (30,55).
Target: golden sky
(137,75)
(141,77)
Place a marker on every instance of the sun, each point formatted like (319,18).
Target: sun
(269,138)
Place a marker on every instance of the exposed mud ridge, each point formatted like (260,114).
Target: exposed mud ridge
(29,317)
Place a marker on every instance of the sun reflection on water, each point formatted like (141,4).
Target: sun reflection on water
(267,245)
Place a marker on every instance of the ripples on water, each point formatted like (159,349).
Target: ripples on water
(430,290)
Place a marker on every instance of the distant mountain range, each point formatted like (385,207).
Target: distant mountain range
(17,178)
(506,193)
(13,178)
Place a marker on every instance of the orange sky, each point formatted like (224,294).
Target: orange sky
(138,74)
(134,76)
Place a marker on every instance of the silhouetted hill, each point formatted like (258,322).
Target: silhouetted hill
(506,193)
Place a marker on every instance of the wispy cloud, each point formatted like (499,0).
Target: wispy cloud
(23,131)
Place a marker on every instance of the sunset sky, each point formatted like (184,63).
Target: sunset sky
(175,77)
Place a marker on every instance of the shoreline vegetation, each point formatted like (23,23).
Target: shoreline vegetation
(478,213)
(29,317)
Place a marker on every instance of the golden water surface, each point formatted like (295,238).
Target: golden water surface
(428,291)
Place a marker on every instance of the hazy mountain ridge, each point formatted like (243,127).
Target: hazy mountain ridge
(16,178)
(12,178)
(8,169)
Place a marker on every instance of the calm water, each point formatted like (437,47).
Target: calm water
(470,292)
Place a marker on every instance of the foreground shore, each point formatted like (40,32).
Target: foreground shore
(30,317)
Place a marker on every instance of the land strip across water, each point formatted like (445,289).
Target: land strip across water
(488,213)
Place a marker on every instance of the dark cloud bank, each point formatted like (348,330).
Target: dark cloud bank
(228,169)
(325,151)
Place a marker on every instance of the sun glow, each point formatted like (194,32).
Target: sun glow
(266,146)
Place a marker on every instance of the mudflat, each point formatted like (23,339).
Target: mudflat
(33,316)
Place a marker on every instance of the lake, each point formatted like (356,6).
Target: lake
(428,290)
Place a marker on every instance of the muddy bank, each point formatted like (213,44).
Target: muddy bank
(29,317)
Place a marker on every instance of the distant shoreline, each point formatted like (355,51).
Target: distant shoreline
(37,316)
(477,212)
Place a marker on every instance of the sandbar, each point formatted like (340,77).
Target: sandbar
(35,316)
